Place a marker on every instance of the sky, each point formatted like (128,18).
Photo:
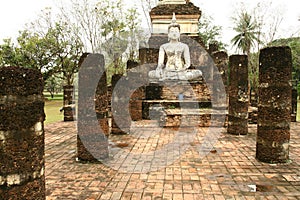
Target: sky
(14,14)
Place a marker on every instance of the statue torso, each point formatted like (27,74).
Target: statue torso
(174,52)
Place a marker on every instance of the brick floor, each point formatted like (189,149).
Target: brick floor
(229,170)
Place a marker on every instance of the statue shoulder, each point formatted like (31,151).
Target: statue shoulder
(184,45)
(163,46)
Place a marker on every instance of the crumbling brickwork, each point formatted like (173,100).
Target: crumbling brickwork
(274,106)
(21,134)
(238,95)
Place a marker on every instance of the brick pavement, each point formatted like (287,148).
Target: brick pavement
(228,171)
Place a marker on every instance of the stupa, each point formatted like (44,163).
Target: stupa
(187,15)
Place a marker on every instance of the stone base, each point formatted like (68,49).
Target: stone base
(179,90)
(34,189)
(192,117)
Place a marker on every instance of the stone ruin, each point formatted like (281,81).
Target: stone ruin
(22,110)
(153,100)
(22,170)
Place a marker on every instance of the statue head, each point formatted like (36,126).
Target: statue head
(174,29)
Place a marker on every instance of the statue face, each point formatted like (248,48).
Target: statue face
(174,33)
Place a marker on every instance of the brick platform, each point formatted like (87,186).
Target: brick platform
(229,171)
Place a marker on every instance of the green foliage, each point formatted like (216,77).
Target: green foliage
(247,32)
(53,85)
(210,33)
(35,52)
(67,49)
(54,47)
(8,55)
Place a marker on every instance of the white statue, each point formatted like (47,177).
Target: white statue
(178,58)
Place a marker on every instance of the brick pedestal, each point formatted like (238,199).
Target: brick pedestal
(274,108)
(238,95)
(21,134)
(221,61)
(69,106)
(294,105)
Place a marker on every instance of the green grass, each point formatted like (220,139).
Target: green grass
(52,107)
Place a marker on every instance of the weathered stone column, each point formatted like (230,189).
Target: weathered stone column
(21,134)
(274,106)
(238,95)
(221,61)
(138,95)
(136,101)
(69,109)
(101,104)
(92,142)
(294,105)
(120,107)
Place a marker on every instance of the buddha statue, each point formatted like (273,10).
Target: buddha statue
(178,58)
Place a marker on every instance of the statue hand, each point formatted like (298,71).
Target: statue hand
(159,72)
(186,67)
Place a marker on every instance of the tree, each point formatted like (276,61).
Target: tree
(268,20)
(84,15)
(256,27)
(35,52)
(247,32)
(67,48)
(210,33)
(53,84)
(8,55)
(31,51)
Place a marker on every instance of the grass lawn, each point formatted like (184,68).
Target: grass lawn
(52,112)
(52,107)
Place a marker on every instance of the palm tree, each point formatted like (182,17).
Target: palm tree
(247,35)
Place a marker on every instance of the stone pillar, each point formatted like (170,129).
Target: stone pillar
(274,107)
(21,134)
(136,102)
(294,105)
(101,104)
(120,107)
(92,143)
(69,106)
(221,61)
(138,95)
(238,95)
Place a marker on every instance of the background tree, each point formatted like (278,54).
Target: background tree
(210,33)
(268,19)
(256,28)
(53,85)
(83,14)
(247,32)
(8,55)
(67,49)
(247,37)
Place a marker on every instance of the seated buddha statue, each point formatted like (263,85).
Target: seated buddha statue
(178,58)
